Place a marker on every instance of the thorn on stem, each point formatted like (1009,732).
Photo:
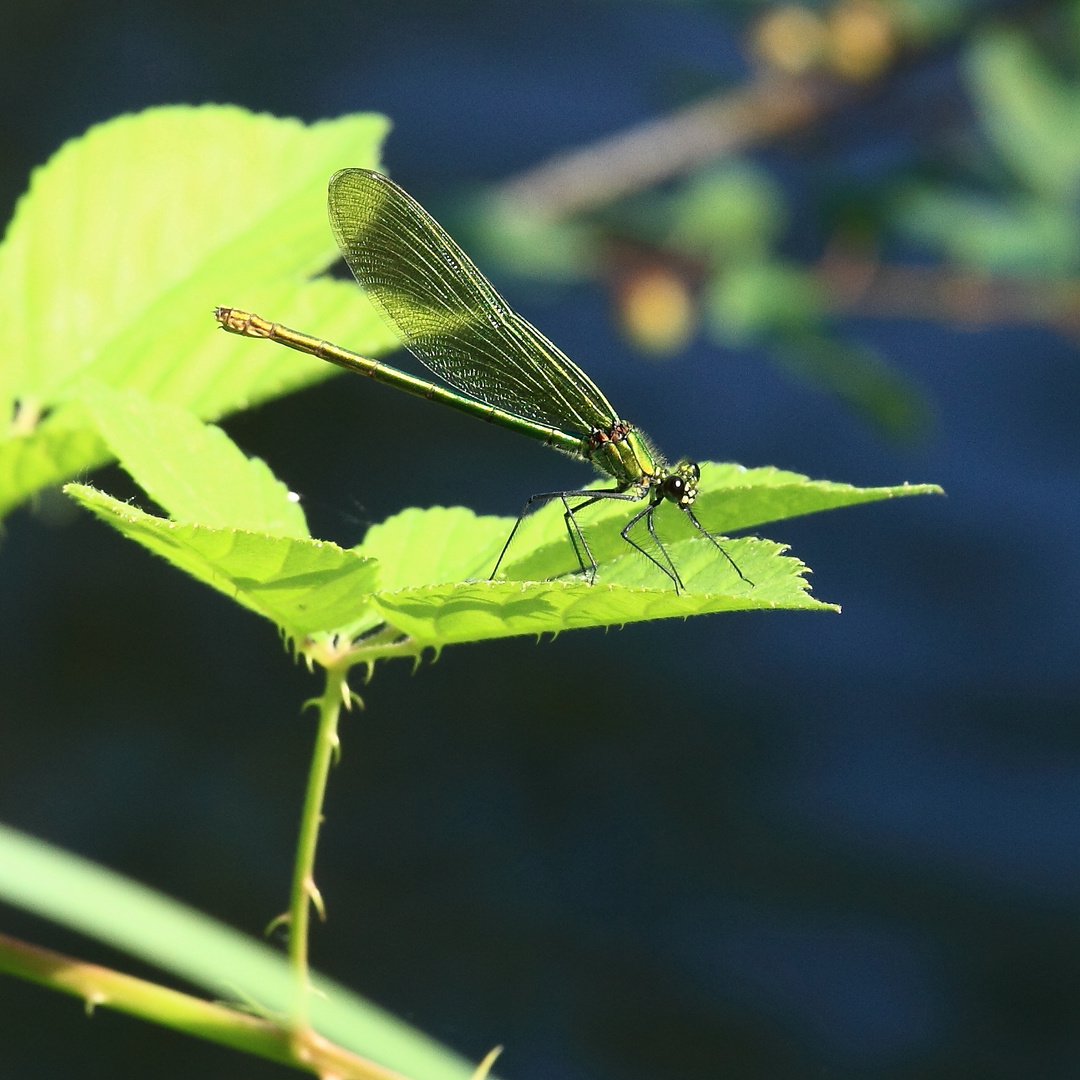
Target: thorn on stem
(485,1066)
(276,923)
(315,897)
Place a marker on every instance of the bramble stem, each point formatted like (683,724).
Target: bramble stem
(304,893)
(103,987)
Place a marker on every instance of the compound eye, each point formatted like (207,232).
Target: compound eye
(674,488)
(681,486)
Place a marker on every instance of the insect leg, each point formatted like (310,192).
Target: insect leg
(572,526)
(716,544)
(647,513)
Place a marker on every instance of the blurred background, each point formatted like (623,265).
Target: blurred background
(838,238)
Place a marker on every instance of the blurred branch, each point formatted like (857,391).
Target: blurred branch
(811,62)
(636,159)
(864,286)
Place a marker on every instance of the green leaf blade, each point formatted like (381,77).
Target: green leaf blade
(730,498)
(1031,113)
(95,901)
(736,498)
(434,564)
(192,469)
(143,206)
(132,234)
(437,546)
(304,586)
(60,446)
(477,611)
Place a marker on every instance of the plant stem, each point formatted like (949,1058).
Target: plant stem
(304,892)
(101,986)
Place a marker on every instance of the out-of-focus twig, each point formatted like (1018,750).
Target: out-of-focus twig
(864,286)
(668,146)
(812,60)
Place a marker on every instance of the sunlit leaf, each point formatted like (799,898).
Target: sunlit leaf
(129,237)
(194,470)
(304,586)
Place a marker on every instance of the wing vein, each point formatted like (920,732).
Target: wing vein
(448,314)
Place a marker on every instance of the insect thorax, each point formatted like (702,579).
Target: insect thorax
(624,453)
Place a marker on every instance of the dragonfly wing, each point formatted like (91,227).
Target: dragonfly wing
(448,314)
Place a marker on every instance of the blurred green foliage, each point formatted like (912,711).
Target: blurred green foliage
(991,191)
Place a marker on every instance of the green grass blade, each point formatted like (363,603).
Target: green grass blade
(108,907)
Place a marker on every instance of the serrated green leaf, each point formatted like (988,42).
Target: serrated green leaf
(130,236)
(129,233)
(730,498)
(432,559)
(434,547)
(309,588)
(445,614)
(451,545)
(305,586)
(735,498)
(194,470)
(60,446)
